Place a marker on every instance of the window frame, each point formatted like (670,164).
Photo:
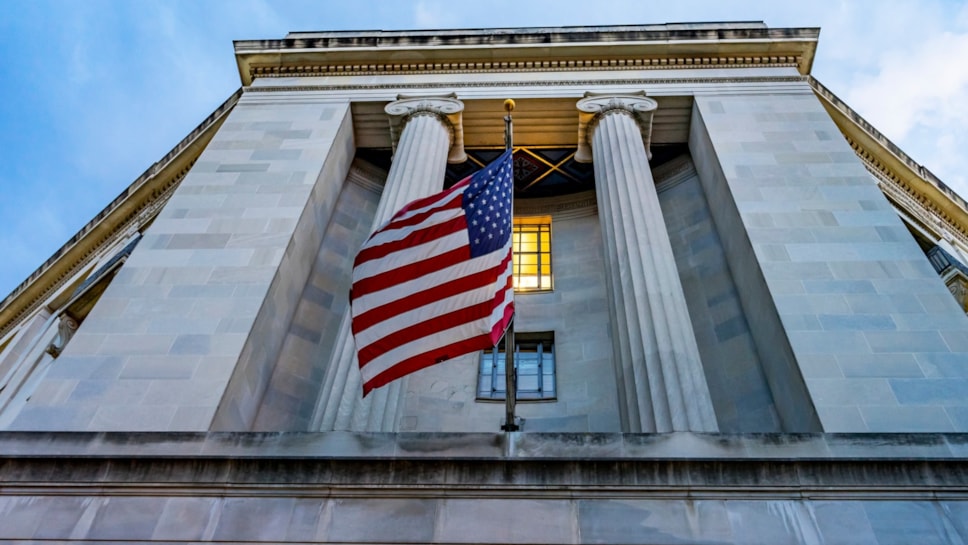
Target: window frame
(540,227)
(490,370)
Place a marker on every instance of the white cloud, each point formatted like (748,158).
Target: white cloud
(916,92)
(924,85)
(434,15)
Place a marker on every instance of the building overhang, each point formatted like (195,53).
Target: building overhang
(512,49)
(909,184)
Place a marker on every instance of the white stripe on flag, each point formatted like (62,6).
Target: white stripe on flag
(416,315)
(405,256)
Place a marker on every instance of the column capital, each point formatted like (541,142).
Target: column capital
(594,107)
(447,109)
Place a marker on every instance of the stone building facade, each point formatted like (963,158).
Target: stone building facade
(745,308)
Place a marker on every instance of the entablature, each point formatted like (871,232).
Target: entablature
(522,49)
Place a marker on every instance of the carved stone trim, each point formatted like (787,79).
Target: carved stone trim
(367,176)
(957,284)
(556,83)
(66,328)
(915,204)
(446,109)
(896,185)
(673,173)
(268,71)
(565,207)
(594,107)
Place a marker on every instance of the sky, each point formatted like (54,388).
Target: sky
(93,92)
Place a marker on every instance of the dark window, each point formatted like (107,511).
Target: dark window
(534,360)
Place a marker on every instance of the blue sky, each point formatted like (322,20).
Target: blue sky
(93,92)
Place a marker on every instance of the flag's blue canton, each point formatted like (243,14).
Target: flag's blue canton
(487,206)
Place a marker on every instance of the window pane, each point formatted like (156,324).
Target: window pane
(532,254)
(534,361)
(527,383)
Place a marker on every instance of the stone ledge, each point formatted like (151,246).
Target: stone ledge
(875,479)
(484,446)
(684,466)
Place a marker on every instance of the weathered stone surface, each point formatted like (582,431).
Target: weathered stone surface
(829,289)
(658,368)
(452,488)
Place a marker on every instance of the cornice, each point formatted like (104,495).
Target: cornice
(510,83)
(904,181)
(271,71)
(135,206)
(616,47)
(914,205)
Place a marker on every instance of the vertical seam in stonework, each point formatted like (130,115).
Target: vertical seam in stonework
(678,373)
(607,201)
(613,150)
(627,136)
(626,360)
(619,342)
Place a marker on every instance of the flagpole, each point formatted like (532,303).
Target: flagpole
(510,376)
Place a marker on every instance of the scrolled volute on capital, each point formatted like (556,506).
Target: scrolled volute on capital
(447,109)
(594,107)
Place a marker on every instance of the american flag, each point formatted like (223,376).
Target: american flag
(435,281)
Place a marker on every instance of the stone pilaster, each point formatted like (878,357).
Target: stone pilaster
(661,382)
(427,135)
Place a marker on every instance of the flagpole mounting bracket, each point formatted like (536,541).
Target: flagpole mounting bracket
(514,426)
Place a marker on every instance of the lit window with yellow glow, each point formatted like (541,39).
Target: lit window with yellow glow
(532,254)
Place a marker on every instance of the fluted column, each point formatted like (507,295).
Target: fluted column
(661,380)
(427,134)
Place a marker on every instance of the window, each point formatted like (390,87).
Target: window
(532,254)
(534,359)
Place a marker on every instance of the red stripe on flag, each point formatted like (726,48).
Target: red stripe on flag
(428,296)
(416,238)
(431,326)
(423,329)
(454,202)
(409,272)
(433,357)
(459,187)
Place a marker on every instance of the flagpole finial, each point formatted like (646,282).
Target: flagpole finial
(508,129)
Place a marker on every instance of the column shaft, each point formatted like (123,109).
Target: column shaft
(417,170)
(659,370)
